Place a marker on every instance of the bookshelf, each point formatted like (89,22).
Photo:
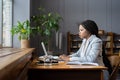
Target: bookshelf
(110,40)
(116,41)
(107,39)
(73,42)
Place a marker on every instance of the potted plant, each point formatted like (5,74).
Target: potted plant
(48,23)
(23,30)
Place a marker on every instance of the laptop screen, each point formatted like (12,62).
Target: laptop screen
(44,49)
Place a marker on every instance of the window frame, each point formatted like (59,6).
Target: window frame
(1,1)
(10,23)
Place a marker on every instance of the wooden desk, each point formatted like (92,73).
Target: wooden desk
(62,71)
(14,62)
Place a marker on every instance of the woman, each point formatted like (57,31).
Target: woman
(91,48)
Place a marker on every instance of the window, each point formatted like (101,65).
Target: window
(6,22)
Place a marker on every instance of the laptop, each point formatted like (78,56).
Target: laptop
(45,51)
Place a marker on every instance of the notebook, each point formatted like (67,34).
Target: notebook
(81,63)
(45,51)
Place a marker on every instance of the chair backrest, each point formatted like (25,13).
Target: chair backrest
(115,62)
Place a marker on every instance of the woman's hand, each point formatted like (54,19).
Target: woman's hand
(64,57)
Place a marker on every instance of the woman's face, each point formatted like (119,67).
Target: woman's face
(83,33)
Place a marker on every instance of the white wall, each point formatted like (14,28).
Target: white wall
(21,12)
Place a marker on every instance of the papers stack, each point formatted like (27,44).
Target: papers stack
(81,63)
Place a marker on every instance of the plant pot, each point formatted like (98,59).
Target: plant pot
(25,44)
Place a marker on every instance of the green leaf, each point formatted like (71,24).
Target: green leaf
(46,21)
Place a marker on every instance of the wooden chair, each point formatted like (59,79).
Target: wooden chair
(115,62)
